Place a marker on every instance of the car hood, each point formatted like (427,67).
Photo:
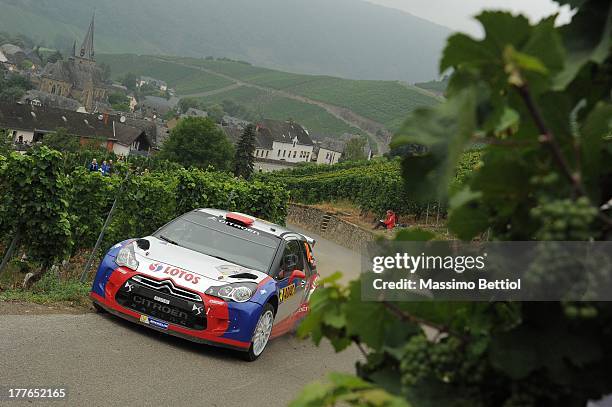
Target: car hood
(188,268)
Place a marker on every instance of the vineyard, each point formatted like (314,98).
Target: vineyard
(51,209)
(374,186)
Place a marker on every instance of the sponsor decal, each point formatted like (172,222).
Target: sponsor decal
(197,309)
(235,225)
(152,321)
(174,272)
(216,302)
(286,292)
(160,299)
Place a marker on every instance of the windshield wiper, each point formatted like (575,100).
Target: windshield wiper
(164,238)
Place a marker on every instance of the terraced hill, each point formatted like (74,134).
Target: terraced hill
(323,104)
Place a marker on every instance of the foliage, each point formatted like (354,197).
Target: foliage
(54,57)
(187,103)
(536,100)
(129,81)
(199,189)
(243,161)
(354,149)
(119,101)
(34,204)
(198,142)
(62,141)
(347,390)
(374,186)
(106,71)
(215,112)
(149,193)
(90,198)
(13,87)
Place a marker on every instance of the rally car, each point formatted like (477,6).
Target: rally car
(211,276)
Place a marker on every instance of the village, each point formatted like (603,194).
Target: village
(77,95)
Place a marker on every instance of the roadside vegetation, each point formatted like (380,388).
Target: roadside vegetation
(40,235)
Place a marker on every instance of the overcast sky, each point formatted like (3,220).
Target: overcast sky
(457,14)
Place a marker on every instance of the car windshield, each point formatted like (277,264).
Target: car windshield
(215,237)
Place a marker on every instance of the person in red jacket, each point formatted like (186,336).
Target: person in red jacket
(389,221)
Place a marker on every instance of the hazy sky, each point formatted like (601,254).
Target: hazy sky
(457,14)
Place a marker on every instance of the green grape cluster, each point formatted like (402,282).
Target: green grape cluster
(564,219)
(444,361)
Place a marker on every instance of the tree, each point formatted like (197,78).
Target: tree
(216,113)
(119,101)
(129,81)
(54,57)
(188,103)
(62,141)
(354,149)
(198,142)
(536,99)
(243,161)
(106,71)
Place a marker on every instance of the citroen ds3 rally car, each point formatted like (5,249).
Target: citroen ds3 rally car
(211,276)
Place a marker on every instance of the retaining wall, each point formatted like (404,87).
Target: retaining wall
(329,226)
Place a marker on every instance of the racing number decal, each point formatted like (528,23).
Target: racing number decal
(286,292)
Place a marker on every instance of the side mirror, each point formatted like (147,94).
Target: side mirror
(297,275)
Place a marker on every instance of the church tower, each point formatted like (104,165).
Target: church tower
(86,52)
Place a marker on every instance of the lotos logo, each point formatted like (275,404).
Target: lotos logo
(155,267)
(175,272)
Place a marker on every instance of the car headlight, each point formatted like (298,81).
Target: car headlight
(127,257)
(238,292)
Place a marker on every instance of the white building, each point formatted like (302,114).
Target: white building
(283,141)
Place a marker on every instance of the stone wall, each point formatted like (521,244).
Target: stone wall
(329,226)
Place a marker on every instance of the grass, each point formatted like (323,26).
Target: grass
(62,286)
(51,289)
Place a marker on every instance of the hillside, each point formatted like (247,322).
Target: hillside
(311,100)
(346,38)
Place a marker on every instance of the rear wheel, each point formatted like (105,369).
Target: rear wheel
(263,329)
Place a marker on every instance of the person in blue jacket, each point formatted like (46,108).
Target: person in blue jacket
(94,165)
(105,168)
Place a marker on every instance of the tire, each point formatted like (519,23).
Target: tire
(261,334)
(99,309)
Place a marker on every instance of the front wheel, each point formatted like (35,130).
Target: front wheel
(263,329)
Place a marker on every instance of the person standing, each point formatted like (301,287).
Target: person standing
(94,165)
(105,169)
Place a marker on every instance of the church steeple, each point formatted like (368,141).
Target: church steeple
(87,48)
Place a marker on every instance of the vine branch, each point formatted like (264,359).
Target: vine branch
(406,316)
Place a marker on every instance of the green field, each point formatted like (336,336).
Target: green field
(386,102)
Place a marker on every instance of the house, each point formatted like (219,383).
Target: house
(28,124)
(283,141)
(278,144)
(155,106)
(156,83)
